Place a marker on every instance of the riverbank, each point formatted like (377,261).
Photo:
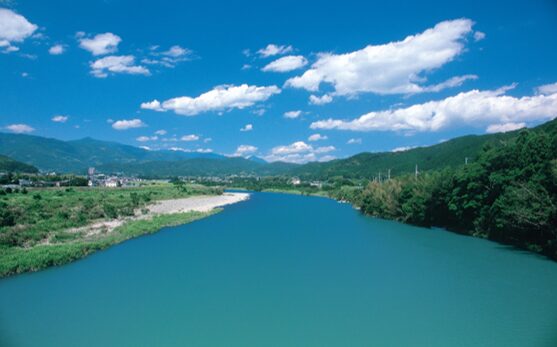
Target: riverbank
(99,235)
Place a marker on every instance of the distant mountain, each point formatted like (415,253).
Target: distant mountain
(110,157)
(200,167)
(257,159)
(75,156)
(9,165)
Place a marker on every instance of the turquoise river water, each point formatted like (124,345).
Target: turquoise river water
(285,270)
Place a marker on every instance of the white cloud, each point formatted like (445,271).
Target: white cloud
(14,28)
(292,114)
(285,64)
(189,138)
(298,152)
(220,98)
(147,138)
(125,124)
(154,105)
(117,64)
(503,128)
(296,147)
(204,150)
(476,108)
(320,100)
(147,148)
(20,128)
(402,148)
(56,49)
(478,36)
(272,50)
(168,58)
(259,112)
(392,68)
(354,141)
(207,140)
(244,150)
(247,127)
(317,137)
(100,44)
(176,52)
(60,119)
(547,89)
(161,132)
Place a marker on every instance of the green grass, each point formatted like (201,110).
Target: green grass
(15,260)
(36,226)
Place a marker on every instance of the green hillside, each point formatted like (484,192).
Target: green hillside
(451,153)
(9,165)
(200,167)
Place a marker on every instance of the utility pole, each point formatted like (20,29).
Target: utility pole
(416,173)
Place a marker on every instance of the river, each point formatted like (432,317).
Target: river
(286,270)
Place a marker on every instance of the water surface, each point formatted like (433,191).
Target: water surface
(285,270)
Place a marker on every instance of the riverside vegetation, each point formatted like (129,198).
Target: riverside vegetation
(507,193)
(40,227)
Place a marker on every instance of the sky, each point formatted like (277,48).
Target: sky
(295,81)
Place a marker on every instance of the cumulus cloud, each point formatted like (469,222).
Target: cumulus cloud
(317,137)
(247,127)
(392,68)
(478,36)
(14,28)
(503,128)
(285,64)
(547,89)
(292,114)
(298,152)
(402,148)
(60,119)
(154,105)
(125,124)
(20,128)
(100,44)
(147,138)
(272,50)
(117,64)
(190,138)
(474,108)
(160,132)
(57,49)
(354,141)
(244,150)
(198,150)
(221,98)
(320,100)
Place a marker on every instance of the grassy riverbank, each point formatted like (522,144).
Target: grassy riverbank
(17,260)
(46,227)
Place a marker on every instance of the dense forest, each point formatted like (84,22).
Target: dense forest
(508,194)
(9,165)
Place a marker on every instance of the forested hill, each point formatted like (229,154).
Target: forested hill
(75,156)
(200,167)
(450,153)
(9,165)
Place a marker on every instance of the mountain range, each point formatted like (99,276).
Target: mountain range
(111,157)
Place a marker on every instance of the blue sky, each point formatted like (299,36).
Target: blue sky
(220,76)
